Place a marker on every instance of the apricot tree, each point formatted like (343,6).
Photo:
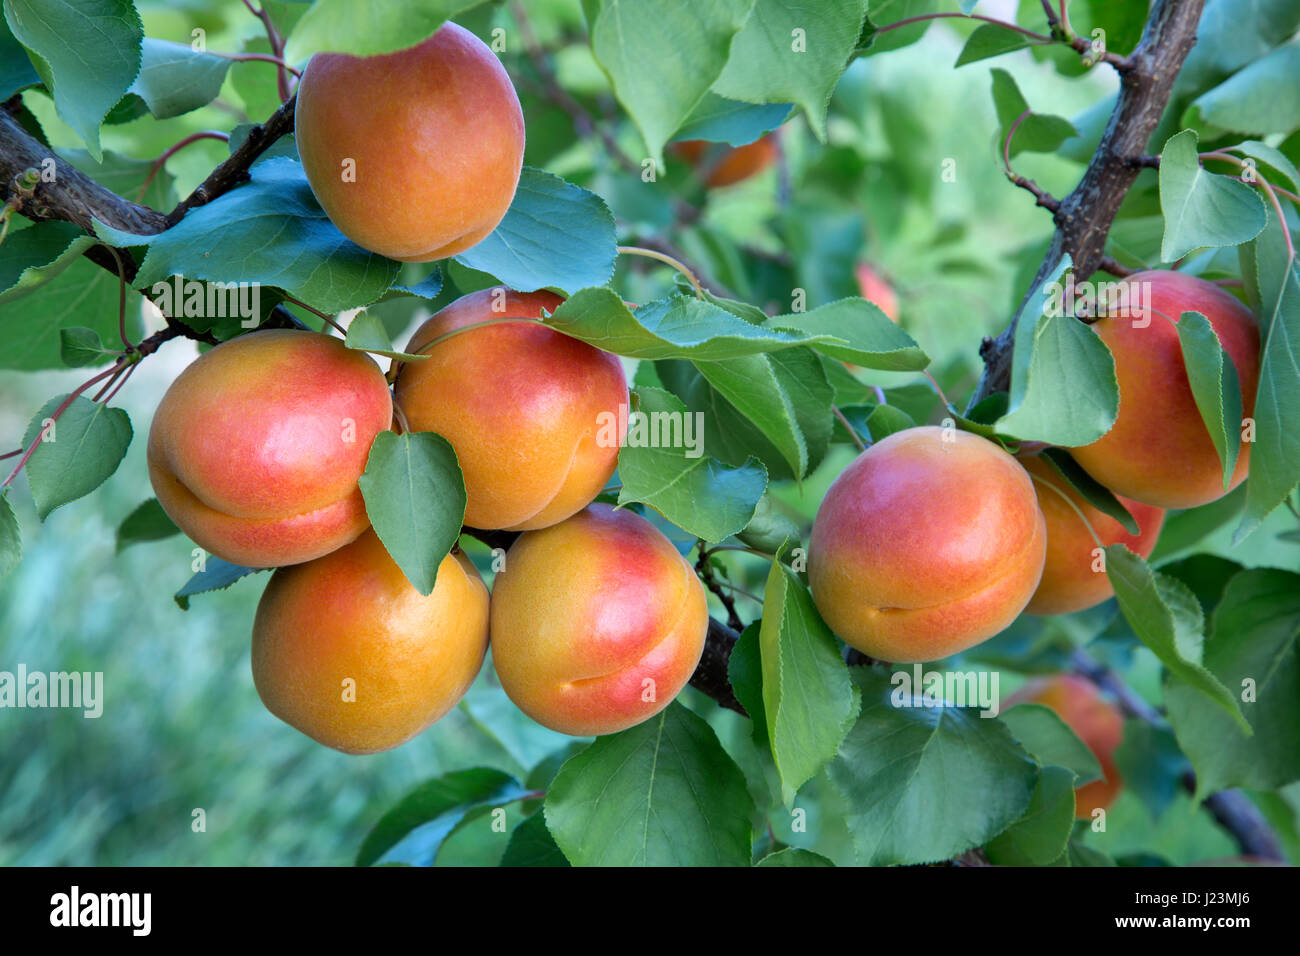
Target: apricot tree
(745,533)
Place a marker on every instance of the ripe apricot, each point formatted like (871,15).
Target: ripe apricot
(723,165)
(1073,579)
(873,287)
(416,154)
(522,405)
(1094,720)
(256,448)
(597,622)
(1159,450)
(930,542)
(346,650)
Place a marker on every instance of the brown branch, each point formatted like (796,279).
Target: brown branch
(1085,216)
(1233,810)
(711,676)
(234,170)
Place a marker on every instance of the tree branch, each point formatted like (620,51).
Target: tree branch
(1085,216)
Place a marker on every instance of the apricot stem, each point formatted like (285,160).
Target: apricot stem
(258,57)
(1075,508)
(938,391)
(400,417)
(424,349)
(318,313)
(853,432)
(667,260)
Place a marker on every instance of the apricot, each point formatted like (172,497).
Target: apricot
(524,407)
(1094,720)
(1072,578)
(256,448)
(726,165)
(930,542)
(597,622)
(416,154)
(1159,451)
(873,287)
(346,650)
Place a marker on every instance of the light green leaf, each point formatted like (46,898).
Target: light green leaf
(175,78)
(77,454)
(1200,208)
(80,347)
(531,844)
(1215,387)
(366,333)
(1051,742)
(365,29)
(1037,133)
(990,40)
(1260,99)
(793,856)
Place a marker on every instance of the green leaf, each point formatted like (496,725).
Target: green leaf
(379,26)
(1167,618)
(745,672)
(1037,133)
(11,536)
(1051,742)
(808,699)
(1080,855)
(148,522)
(785,395)
(662,793)
(555,235)
(1270,156)
(793,53)
(79,347)
(1200,208)
(270,231)
(175,78)
(1256,629)
(990,40)
(217,575)
(1215,387)
(366,333)
(1040,836)
(661,58)
(16,72)
(1260,99)
(692,490)
(1089,488)
(1057,354)
(88,54)
(531,844)
(926,783)
(720,120)
(126,176)
(856,331)
(793,856)
(36,254)
(1151,765)
(1275,456)
(414,829)
(415,499)
(1184,529)
(770,529)
(76,454)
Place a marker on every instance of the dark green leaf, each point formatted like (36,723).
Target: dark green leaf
(216,575)
(532,845)
(720,120)
(11,536)
(1051,742)
(793,856)
(1214,387)
(76,454)
(1040,836)
(175,78)
(79,347)
(990,40)
(148,522)
(1200,208)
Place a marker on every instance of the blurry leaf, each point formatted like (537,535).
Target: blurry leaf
(897,768)
(148,522)
(663,57)
(989,40)
(37,254)
(77,454)
(86,76)
(662,793)
(379,26)
(1259,99)
(1041,835)
(1167,618)
(531,844)
(1252,650)
(271,231)
(1184,529)
(1233,33)
(745,672)
(769,530)
(808,699)
(16,70)
(793,53)
(1271,156)
(11,536)
(720,120)
(692,490)
(1037,133)
(1080,855)
(1051,742)
(555,235)
(415,499)
(1150,764)
(79,347)
(175,78)
(426,288)
(366,332)
(1200,208)
(217,575)
(793,856)
(413,830)
(1215,387)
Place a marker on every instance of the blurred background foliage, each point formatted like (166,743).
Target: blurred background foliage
(183,729)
